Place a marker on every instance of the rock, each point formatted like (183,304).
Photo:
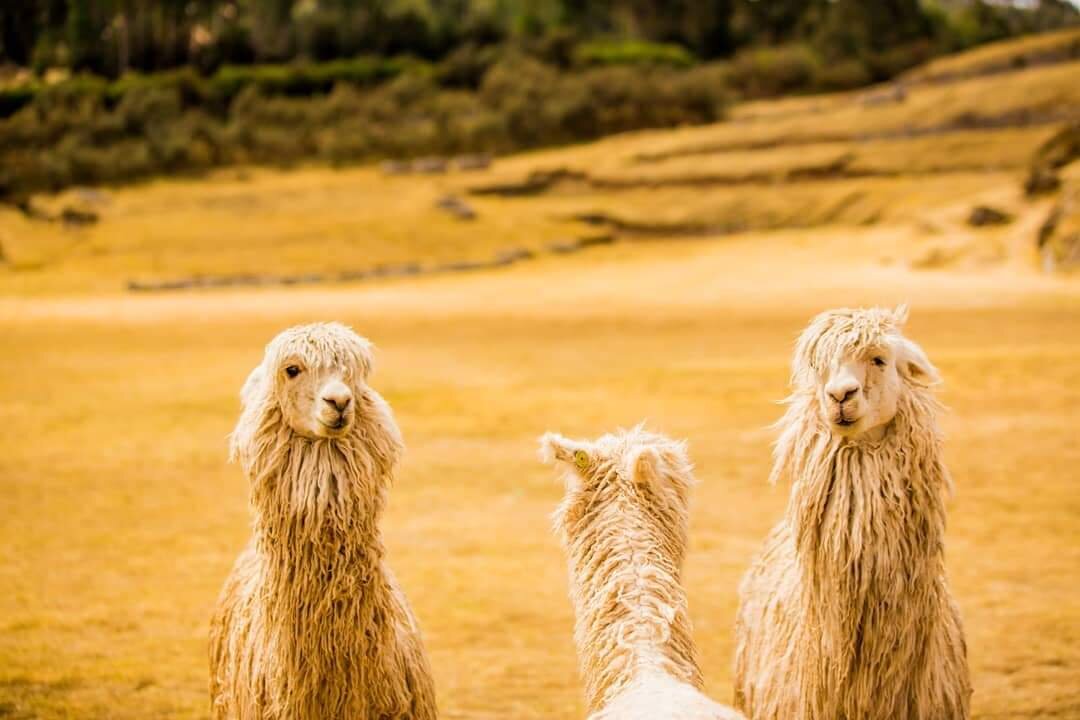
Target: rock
(513,255)
(395,167)
(1052,155)
(430,165)
(26,206)
(1058,241)
(564,247)
(594,240)
(895,93)
(537,181)
(932,259)
(1041,181)
(985,215)
(456,207)
(463,266)
(472,162)
(91,196)
(399,270)
(593,218)
(75,216)
(1061,149)
(837,167)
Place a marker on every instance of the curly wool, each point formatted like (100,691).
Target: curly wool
(311,623)
(846,613)
(623,524)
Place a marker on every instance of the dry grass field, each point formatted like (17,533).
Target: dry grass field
(121,516)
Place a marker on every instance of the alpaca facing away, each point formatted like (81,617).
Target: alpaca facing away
(311,624)
(623,523)
(846,614)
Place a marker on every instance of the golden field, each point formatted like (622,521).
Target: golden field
(122,517)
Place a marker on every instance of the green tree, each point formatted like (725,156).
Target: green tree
(84,29)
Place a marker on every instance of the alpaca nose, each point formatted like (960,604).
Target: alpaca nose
(843,391)
(338,397)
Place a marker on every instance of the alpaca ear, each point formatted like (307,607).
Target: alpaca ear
(652,462)
(554,446)
(900,314)
(914,366)
(663,468)
(644,465)
(249,393)
(367,358)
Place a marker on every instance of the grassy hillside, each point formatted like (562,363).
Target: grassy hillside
(917,160)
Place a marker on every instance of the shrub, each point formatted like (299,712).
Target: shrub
(842,75)
(13,99)
(889,63)
(466,66)
(517,88)
(764,72)
(633,53)
(86,130)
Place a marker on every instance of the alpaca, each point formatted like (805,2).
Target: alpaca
(623,524)
(847,612)
(311,623)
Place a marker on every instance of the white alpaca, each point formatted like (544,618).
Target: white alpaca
(623,524)
(311,623)
(846,614)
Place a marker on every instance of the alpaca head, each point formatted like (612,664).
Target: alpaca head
(312,374)
(857,365)
(622,469)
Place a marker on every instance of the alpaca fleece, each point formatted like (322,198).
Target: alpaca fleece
(846,614)
(623,523)
(311,623)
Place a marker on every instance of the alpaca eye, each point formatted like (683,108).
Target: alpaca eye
(292,371)
(879,361)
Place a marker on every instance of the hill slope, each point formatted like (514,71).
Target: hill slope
(917,159)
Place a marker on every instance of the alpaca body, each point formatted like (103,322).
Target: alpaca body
(624,526)
(311,624)
(846,614)
(658,696)
(276,660)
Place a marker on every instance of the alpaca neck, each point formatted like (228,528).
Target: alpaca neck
(631,609)
(316,513)
(319,548)
(868,521)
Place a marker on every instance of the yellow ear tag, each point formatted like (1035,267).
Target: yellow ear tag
(581,459)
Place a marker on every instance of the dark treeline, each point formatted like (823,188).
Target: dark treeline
(111,37)
(119,90)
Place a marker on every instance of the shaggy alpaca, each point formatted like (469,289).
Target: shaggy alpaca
(623,524)
(311,623)
(847,613)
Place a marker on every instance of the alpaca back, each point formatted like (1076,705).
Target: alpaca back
(623,523)
(662,697)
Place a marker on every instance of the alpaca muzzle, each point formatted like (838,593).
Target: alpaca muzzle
(336,422)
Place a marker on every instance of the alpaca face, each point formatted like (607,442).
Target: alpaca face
(315,375)
(316,402)
(858,365)
(860,392)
